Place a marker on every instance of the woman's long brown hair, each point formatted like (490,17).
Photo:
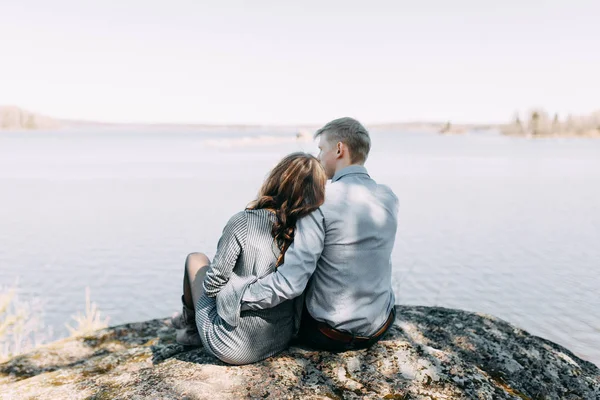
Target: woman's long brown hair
(293,189)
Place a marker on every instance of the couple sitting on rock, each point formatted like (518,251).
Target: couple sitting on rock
(299,262)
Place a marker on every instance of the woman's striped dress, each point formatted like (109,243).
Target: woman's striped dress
(245,252)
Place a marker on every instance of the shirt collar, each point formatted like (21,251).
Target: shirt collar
(352,169)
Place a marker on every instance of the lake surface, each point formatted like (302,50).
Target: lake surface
(493,224)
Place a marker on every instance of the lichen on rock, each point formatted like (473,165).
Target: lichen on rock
(430,353)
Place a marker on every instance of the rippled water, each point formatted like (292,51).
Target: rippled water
(505,226)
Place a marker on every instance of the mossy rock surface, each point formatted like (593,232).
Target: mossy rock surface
(430,353)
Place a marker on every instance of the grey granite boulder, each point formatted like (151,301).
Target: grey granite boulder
(430,353)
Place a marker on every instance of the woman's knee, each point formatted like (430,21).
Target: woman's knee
(196,266)
(197,260)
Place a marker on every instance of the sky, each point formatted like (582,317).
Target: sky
(279,62)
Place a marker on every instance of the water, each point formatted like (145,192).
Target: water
(499,225)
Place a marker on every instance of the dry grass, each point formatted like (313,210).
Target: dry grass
(22,328)
(89,321)
(21,325)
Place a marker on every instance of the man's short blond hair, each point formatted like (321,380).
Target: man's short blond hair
(350,132)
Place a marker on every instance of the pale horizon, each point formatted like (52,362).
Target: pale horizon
(270,63)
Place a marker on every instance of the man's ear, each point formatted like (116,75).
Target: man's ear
(340,150)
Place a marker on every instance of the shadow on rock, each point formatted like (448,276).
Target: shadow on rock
(429,353)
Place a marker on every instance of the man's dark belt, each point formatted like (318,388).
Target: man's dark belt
(346,337)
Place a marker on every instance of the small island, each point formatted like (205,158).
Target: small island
(539,124)
(15,118)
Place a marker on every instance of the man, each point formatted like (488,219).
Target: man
(341,253)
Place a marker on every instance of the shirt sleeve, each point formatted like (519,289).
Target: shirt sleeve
(228,251)
(291,278)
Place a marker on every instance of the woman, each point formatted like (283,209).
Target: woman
(253,244)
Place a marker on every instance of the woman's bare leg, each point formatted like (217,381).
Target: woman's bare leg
(196,265)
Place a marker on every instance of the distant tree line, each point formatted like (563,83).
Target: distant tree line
(539,123)
(15,118)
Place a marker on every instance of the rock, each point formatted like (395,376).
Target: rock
(430,353)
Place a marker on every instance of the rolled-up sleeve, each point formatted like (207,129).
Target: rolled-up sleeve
(291,278)
(228,251)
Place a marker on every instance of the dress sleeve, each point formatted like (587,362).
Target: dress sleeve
(228,250)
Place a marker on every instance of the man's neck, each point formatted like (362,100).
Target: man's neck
(341,165)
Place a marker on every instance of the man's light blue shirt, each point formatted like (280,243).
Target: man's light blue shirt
(341,255)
